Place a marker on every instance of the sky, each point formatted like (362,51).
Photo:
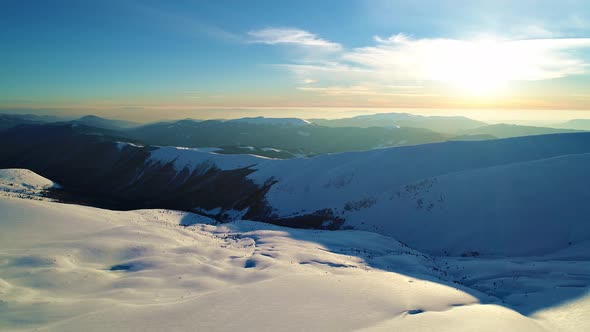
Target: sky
(147,60)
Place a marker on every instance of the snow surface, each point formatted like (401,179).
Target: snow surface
(72,268)
(17,181)
(122,145)
(193,159)
(527,208)
(502,197)
(489,235)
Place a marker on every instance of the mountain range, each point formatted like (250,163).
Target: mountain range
(465,228)
(331,191)
(285,138)
(443,124)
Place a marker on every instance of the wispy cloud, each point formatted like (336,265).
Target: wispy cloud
(291,36)
(182,23)
(399,59)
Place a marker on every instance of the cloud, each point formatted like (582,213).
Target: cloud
(399,38)
(400,57)
(478,66)
(291,36)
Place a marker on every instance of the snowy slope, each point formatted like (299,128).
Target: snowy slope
(23,182)
(203,160)
(524,208)
(71,268)
(491,194)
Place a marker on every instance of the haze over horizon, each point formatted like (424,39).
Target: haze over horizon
(149,60)
(142,115)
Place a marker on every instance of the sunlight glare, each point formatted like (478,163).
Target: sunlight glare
(479,68)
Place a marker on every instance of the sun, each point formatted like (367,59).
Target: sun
(480,68)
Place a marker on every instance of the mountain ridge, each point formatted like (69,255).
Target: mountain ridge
(327,191)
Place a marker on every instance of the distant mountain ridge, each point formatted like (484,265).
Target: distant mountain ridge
(295,137)
(260,120)
(504,130)
(13,120)
(285,138)
(580,124)
(98,122)
(443,124)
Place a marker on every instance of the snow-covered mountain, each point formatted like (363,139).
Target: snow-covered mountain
(23,179)
(529,188)
(528,185)
(23,182)
(70,268)
(486,234)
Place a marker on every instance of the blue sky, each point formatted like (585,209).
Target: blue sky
(203,55)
